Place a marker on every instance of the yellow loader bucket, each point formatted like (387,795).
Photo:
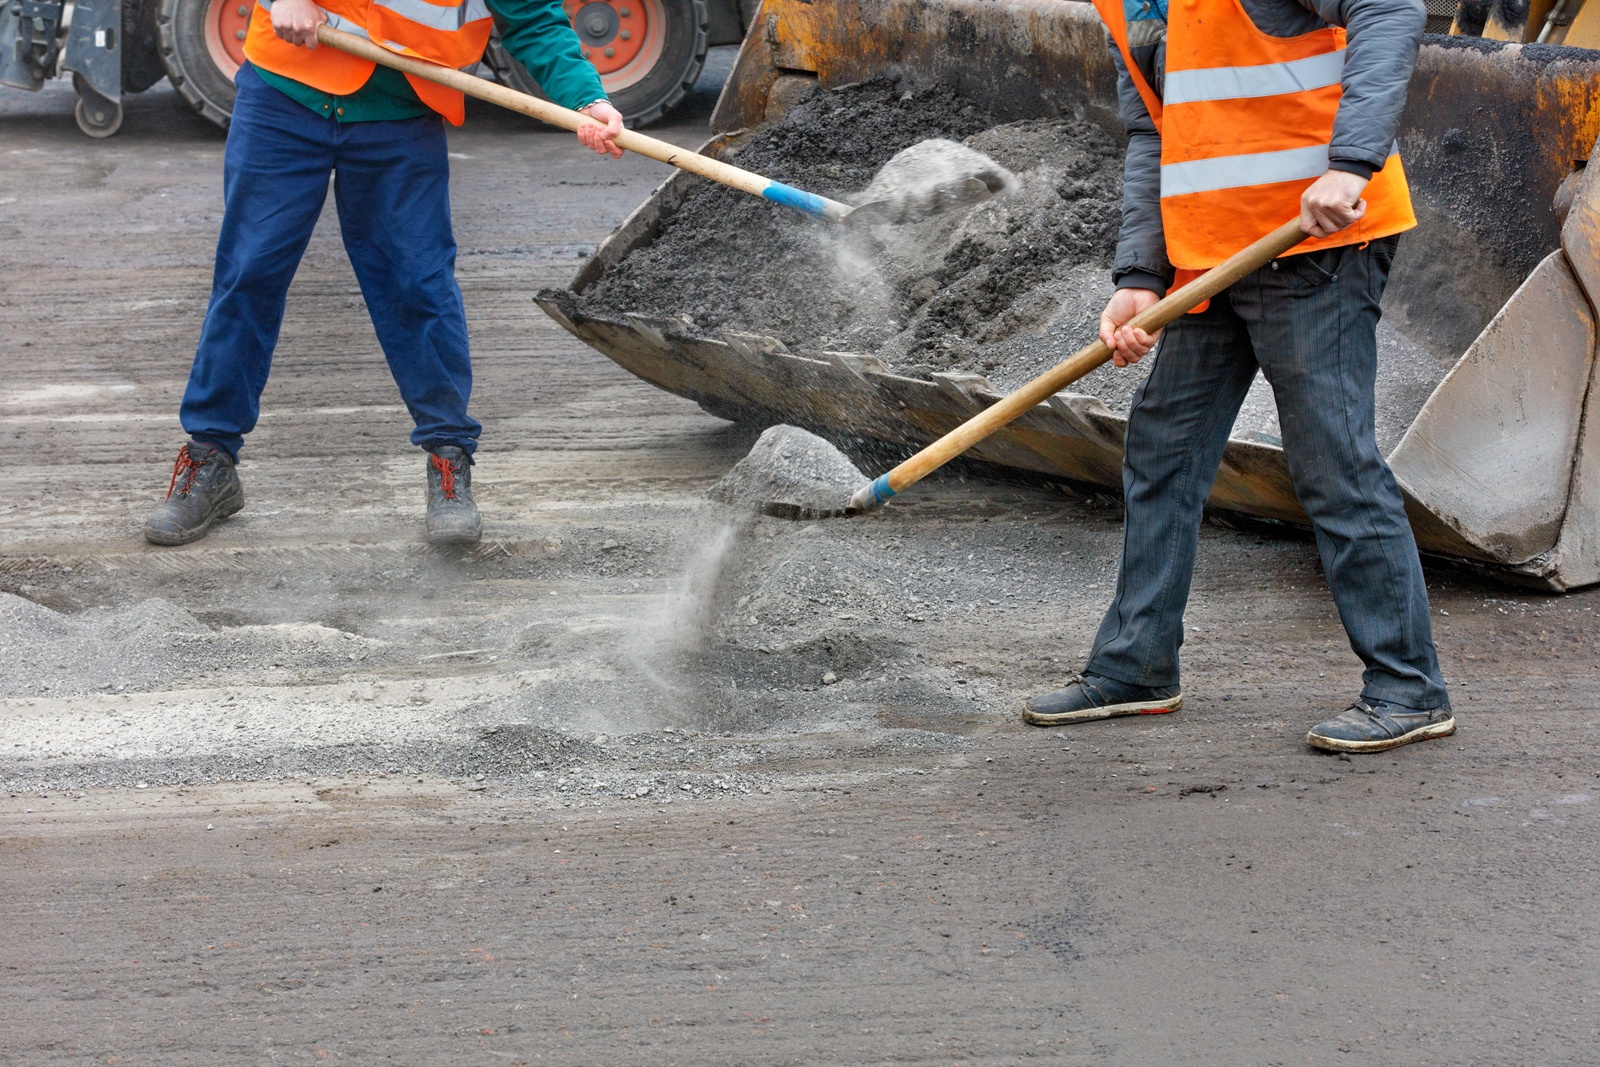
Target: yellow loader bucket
(1500,467)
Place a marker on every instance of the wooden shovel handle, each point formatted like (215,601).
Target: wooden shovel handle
(1069,370)
(545,111)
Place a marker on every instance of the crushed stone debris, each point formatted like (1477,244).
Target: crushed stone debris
(924,180)
(926,296)
(789,470)
(48,653)
(149,644)
(688,651)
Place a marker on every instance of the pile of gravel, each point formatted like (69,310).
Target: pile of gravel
(47,653)
(155,643)
(929,296)
(1006,289)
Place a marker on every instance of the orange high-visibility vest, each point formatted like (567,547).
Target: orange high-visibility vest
(453,34)
(1245,122)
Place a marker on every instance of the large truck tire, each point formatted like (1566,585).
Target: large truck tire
(202,47)
(648,52)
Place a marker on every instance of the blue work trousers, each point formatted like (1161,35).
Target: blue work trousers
(391,183)
(1309,323)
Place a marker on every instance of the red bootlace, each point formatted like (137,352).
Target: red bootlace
(447,476)
(185,466)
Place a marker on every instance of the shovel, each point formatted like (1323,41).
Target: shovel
(1174,305)
(953,194)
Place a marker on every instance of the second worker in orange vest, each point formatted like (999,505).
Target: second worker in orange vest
(303,115)
(1242,114)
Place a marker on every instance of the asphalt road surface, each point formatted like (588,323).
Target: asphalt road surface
(639,781)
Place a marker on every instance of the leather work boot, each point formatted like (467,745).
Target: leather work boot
(205,487)
(1377,725)
(1092,696)
(452,515)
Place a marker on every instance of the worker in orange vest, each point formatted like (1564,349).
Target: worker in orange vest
(304,114)
(1242,114)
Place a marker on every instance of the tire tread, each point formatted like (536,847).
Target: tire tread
(169,27)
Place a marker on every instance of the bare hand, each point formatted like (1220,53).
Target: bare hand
(601,135)
(296,21)
(1332,202)
(1128,344)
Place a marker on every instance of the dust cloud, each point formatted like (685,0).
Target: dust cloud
(667,650)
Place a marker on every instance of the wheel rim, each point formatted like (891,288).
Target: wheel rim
(622,38)
(226,22)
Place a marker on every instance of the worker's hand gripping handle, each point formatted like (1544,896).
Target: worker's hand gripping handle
(555,115)
(1173,306)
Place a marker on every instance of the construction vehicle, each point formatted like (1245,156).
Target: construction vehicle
(1564,22)
(1500,467)
(648,52)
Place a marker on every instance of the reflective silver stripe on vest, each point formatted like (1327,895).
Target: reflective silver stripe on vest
(445,19)
(1268,79)
(347,25)
(440,18)
(1257,168)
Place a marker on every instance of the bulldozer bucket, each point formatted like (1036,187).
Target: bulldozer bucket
(1501,466)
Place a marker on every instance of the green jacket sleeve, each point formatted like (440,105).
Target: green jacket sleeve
(538,35)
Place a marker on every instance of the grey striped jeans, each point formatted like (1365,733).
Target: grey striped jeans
(1309,323)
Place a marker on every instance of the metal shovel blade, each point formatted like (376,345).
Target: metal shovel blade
(936,201)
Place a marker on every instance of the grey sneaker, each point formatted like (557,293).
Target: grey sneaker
(452,515)
(1373,726)
(1091,696)
(205,487)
